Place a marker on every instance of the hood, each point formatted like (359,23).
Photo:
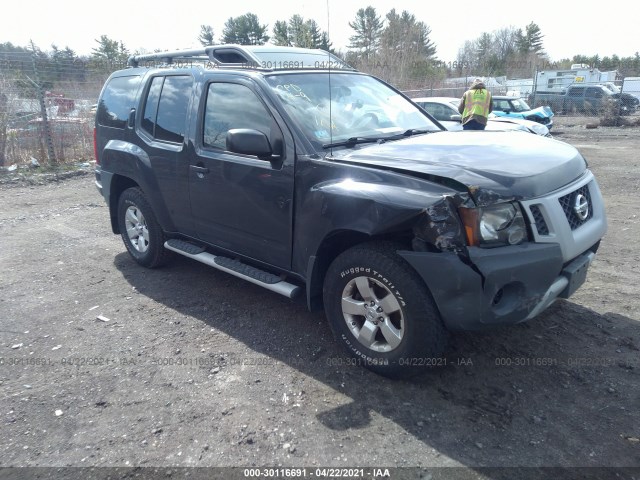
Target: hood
(627,98)
(492,165)
(542,112)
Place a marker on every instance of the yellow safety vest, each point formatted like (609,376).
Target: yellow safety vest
(476,102)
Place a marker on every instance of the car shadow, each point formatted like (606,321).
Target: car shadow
(563,388)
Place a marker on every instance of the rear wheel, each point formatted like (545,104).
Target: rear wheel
(382,313)
(141,232)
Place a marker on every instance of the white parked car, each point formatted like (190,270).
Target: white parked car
(445,110)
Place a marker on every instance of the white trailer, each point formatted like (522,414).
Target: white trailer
(557,81)
(631,85)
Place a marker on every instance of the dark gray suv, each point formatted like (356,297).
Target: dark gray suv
(289,169)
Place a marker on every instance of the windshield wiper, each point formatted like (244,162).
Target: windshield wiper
(409,133)
(414,131)
(353,141)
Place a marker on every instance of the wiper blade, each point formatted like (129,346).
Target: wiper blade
(414,131)
(353,141)
(408,133)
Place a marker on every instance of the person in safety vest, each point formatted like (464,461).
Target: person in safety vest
(475,106)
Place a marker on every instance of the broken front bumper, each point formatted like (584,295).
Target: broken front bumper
(498,286)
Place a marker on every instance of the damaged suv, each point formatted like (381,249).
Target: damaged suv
(289,169)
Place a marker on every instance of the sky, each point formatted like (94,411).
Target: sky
(569,27)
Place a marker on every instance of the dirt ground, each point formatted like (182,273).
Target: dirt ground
(106,364)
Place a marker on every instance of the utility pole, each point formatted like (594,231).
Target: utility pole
(46,128)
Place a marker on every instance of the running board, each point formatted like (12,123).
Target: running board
(234,267)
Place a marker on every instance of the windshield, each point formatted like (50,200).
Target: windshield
(345,106)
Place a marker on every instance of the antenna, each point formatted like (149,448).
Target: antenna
(330,90)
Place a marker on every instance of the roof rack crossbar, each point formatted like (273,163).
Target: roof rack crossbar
(211,53)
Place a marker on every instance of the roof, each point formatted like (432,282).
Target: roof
(256,57)
(436,99)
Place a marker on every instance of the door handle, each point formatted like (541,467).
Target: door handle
(200,171)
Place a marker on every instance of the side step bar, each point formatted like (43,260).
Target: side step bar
(234,267)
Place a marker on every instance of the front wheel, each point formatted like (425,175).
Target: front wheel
(382,313)
(141,232)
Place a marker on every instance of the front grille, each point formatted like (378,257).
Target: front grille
(541,224)
(568,204)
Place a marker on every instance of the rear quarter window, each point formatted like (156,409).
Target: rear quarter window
(576,92)
(116,101)
(165,110)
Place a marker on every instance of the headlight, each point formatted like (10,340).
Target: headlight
(539,129)
(494,226)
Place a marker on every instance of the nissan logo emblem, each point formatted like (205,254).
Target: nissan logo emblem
(581,207)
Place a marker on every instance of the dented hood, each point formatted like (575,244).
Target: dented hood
(490,164)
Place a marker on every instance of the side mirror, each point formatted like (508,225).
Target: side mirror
(250,142)
(455,118)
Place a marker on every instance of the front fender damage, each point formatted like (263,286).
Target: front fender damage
(440,227)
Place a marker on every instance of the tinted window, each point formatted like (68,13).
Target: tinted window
(576,92)
(439,112)
(116,101)
(230,105)
(594,92)
(172,109)
(151,105)
(165,110)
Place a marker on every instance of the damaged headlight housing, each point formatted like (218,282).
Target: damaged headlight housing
(495,225)
(539,129)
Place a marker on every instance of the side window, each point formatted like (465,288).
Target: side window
(437,111)
(230,105)
(116,101)
(151,105)
(594,92)
(576,92)
(165,110)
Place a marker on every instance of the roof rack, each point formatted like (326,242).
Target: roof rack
(260,57)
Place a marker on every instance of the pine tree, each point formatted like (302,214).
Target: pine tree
(206,35)
(245,30)
(531,40)
(368,27)
(110,50)
(281,34)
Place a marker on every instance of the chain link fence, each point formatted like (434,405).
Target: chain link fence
(47,107)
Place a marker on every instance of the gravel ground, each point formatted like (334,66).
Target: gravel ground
(106,364)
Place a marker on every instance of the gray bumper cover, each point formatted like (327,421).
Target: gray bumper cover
(503,285)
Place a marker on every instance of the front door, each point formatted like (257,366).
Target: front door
(240,202)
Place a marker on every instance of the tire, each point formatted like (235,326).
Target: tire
(141,232)
(381,312)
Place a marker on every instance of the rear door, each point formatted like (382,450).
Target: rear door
(163,123)
(240,202)
(593,99)
(575,98)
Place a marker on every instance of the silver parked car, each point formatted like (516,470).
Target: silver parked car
(445,110)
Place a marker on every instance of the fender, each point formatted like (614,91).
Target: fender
(129,161)
(335,215)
